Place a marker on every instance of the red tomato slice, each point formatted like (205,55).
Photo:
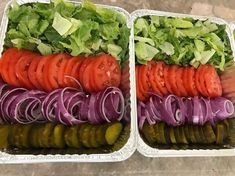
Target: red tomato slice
(179,82)
(13,80)
(159,76)
(32,72)
(75,71)
(153,80)
(68,72)
(82,69)
(53,66)
(87,77)
(106,72)
(6,58)
(212,82)
(43,81)
(191,81)
(22,67)
(61,72)
(202,80)
(140,95)
(166,78)
(172,79)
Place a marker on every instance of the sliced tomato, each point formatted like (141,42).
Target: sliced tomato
(167,78)
(172,79)
(53,66)
(212,81)
(6,58)
(22,67)
(106,72)
(191,81)
(87,77)
(202,80)
(32,72)
(61,72)
(153,80)
(197,79)
(144,77)
(13,80)
(159,76)
(179,81)
(75,71)
(140,95)
(43,81)
(68,72)
(82,69)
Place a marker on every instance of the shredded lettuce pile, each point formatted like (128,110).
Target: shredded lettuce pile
(65,27)
(181,41)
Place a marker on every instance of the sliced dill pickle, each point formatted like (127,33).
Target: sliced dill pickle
(84,133)
(24,136)
(220,129)
(191,134)
(167,134)
(177,135)
(202,136)
(58,136)
(209,133)
(172,135)
(157,133)
(17,135)
(186,132)
(71,137)
(161,129)
(231,137)
(100,134)
(113,132)
(197,134)
(149,133)
(227,128)
(47,135)
(92,137)
(39,136)
(182,136)
(4,133)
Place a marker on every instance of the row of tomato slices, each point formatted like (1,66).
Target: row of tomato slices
(23,68)
(158,77)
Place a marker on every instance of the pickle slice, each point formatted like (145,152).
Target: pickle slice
(58,136)
(84,133)
(157,134)
(17,135)
(227,128)
(161,129)
(24,136)
(92,137)
(187,134)
(197,134)
(113,132)
(182,136)
(71,137)
(4,133)
(149,133)
(177,135)
(209,133)
(100,134)
(172,135)
(47,135)
(202,136)
(191,134)
(167,134)
(220,129)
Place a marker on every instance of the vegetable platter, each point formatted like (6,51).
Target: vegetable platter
(181,109)
(65,83)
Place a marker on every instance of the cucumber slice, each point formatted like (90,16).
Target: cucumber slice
(113,132)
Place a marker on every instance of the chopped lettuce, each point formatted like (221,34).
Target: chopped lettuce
(61,26)
(182,41)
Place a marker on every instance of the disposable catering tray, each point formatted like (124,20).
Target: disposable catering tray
(20,156)
(142,146)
